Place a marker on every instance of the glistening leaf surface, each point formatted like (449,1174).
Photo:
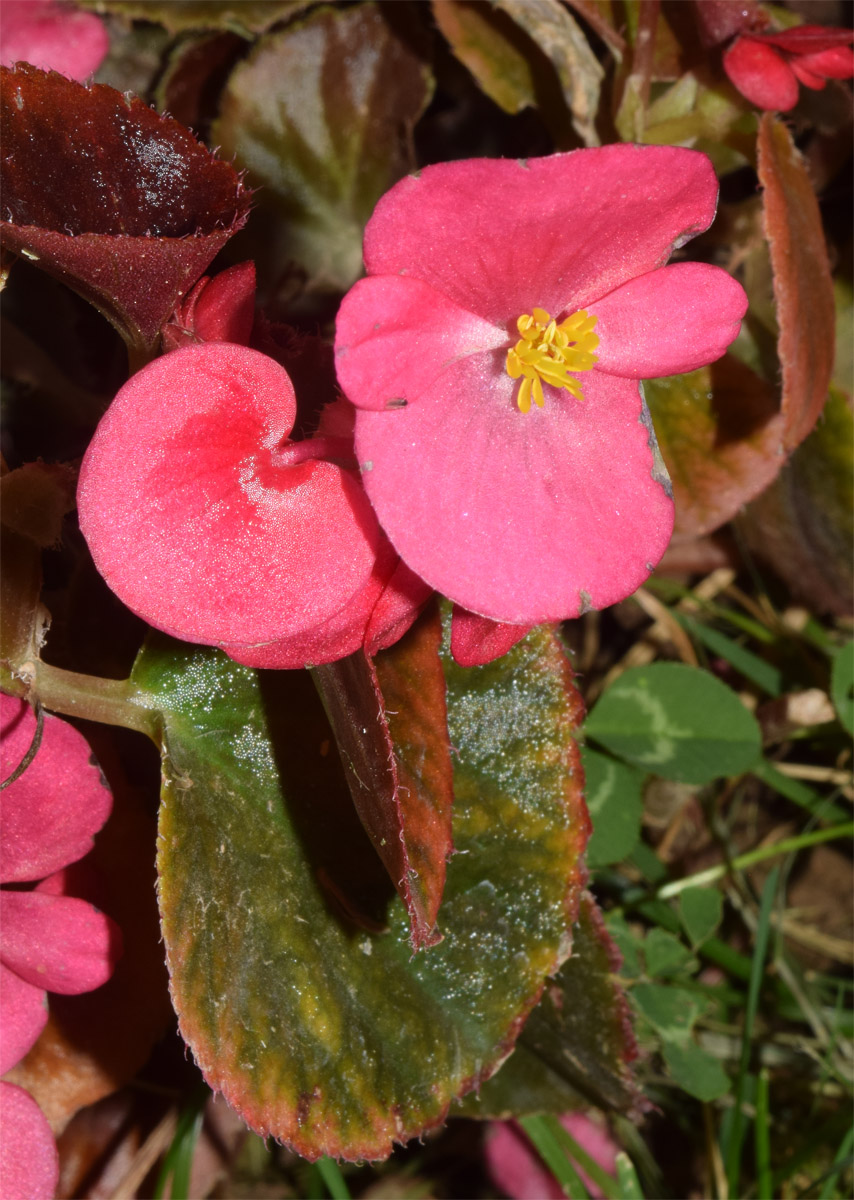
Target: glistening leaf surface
(577,1045)
(318,1031)
(676,721)
(120,203)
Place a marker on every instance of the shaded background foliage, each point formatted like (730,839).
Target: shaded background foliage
(316,111)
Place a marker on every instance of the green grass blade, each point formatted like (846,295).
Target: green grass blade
(334,1181)
(762,1138)
(178,1161)
(627,1179)
(731,1150)
(842,1160)
(549,1149)
(750,665)
(805,797)
(605,1182)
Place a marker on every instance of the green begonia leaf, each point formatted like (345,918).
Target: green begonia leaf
(676,721)
(615,802)
(493,48)
(320,115)
(289,955)
(240,16)
(577,1045)
(720,434)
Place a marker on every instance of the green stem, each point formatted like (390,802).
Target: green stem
(109,701)
(787,846)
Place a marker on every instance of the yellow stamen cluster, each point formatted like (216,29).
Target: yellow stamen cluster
(547,353)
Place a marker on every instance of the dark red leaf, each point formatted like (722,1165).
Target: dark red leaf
(389,714)
(803,288)
(122,204)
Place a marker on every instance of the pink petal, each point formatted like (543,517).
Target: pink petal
(500,237)
(521,517)
(835,63)
(57,942)
(53,37)
(23,1015)
(203,518)
(761,74)
(395,336)
(808,39)
(808,78)
(672,320)
(225,309)
(51,812)
(400,602)
(29,1163)
(477,640)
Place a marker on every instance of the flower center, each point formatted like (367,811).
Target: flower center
(547,352)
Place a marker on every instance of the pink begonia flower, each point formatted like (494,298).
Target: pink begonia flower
(767,67)
(48,941)
(494,353)
(53,37)
(477,640)
(519,1171)
(211,524)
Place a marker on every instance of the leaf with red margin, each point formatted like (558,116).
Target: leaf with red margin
(577,1046)
(390,722)
(331,1038)
(720,433)
(803,288)
(122,204)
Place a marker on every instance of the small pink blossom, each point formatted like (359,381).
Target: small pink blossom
(494,354)
(52,36)
(48,941)
(768,67)
(208,521)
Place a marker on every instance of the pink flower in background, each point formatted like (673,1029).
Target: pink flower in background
(519,1171)
(52,36)
(210,523)
(494,354)
(767,67)
(48,941)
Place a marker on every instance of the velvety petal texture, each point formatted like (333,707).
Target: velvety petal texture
(29,1163)
(499,237)
(761,74)
(205,519)
(22,1017)
(54,37)
(476,640)
(521,517)
(519,512)
(52,811)
(669,321)
(57,942)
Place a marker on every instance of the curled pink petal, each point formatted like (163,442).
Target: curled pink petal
(22,1017)
(521,517)
(204,518)
(57,942)
(836,62)
(52,811)
(29,1163)
(477,640)
(221,309)
(761,74)
(499,237)
(807,77)
(53,37)
(669,321)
